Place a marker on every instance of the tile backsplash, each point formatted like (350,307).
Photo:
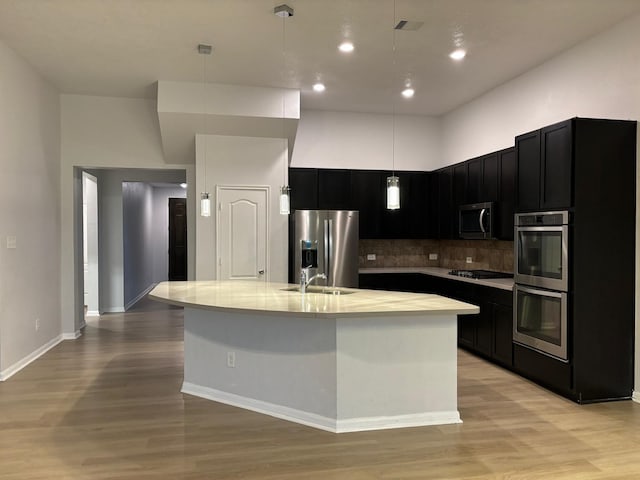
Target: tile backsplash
(485,254)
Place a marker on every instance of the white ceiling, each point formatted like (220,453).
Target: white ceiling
(122,47)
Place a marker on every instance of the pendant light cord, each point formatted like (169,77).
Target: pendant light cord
(393,96)
(284,138)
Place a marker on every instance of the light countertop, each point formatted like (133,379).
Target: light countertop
(501,283)
(270,298)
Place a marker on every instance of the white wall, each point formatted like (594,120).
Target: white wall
(225,160)
(111,133)
(29,196)
(160,230)
(365,141)
(597,78)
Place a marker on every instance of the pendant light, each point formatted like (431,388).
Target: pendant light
(205,201)
(284,12)
(393,182)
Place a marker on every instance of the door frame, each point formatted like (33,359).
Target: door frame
(267,257)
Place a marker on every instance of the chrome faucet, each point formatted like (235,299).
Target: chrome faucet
(304,283)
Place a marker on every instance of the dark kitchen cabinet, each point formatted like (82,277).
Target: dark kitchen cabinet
(502,342)
(445,203)
(474,181)
(507,193)
(367,197)
(489,188)
(544,168)
(304,188)
(334,189)
(433,207)
(459,194)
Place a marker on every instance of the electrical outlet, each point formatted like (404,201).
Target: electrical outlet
(469,260)
(371,256)
(231,359)
(11,241)
(37,324)
(433,256)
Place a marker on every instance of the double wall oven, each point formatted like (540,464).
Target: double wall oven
(542,282)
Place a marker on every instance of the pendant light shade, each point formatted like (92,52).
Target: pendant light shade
(393,193)
(285,203)
(205,205)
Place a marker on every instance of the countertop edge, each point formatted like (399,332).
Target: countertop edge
(500,283)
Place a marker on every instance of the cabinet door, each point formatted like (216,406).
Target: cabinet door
(507,200)
(528,172)
(445,199)
(418,206)
(304,188)
(459,194)
(474,181)
(502,349)
(367,198)
(556,172)
(334,189)
(433,209)
(467,330)
(490,178)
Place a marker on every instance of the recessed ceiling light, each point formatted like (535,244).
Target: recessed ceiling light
(408,92)
(319,87)
(458,54)
(346,47)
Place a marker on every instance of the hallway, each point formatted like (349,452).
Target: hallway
(108,406)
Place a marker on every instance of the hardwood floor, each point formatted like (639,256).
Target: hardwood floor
(108,406)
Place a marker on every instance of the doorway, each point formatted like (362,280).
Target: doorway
(90,244)
(177,239)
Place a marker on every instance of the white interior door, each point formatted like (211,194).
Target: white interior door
(242,234)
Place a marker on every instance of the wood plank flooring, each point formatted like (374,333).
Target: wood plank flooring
(108,406)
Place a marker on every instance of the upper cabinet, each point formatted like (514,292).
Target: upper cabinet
(334,189)
(544,168)
(304,188)
(507,192)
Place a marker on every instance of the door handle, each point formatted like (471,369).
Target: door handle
(260,272)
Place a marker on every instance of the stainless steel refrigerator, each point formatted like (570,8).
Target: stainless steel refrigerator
(326,241)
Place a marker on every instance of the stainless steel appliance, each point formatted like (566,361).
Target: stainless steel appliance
(326,242)
(476,221)
(540,320)
(542,249)
(541,277)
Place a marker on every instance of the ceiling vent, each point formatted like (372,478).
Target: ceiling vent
(408,25)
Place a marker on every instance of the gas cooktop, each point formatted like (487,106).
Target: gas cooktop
(478,274)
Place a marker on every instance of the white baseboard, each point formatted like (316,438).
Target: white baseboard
(636,396)
(319,421)
(72,336)
(93,313)
(139,297)
(20,364)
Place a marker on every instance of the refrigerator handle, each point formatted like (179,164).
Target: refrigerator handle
(327,248)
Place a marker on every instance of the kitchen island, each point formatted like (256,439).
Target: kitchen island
(340,360)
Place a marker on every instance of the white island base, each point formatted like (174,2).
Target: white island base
(339,374)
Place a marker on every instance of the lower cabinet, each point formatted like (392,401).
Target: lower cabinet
(488,333)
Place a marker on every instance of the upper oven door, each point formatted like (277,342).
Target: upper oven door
(541,257)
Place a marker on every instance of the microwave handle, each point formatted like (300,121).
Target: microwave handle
(482,212)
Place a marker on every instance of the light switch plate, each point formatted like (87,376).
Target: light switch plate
(371,256)
(433,256)
(11,241)
(469,260)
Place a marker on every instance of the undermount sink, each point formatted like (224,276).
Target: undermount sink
(320,289)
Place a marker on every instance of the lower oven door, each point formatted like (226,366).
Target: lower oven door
(540,320)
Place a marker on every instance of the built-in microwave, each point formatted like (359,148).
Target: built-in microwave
(476,221)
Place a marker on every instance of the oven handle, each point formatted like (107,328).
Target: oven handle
(549,228)
(542,293)
(482,212)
